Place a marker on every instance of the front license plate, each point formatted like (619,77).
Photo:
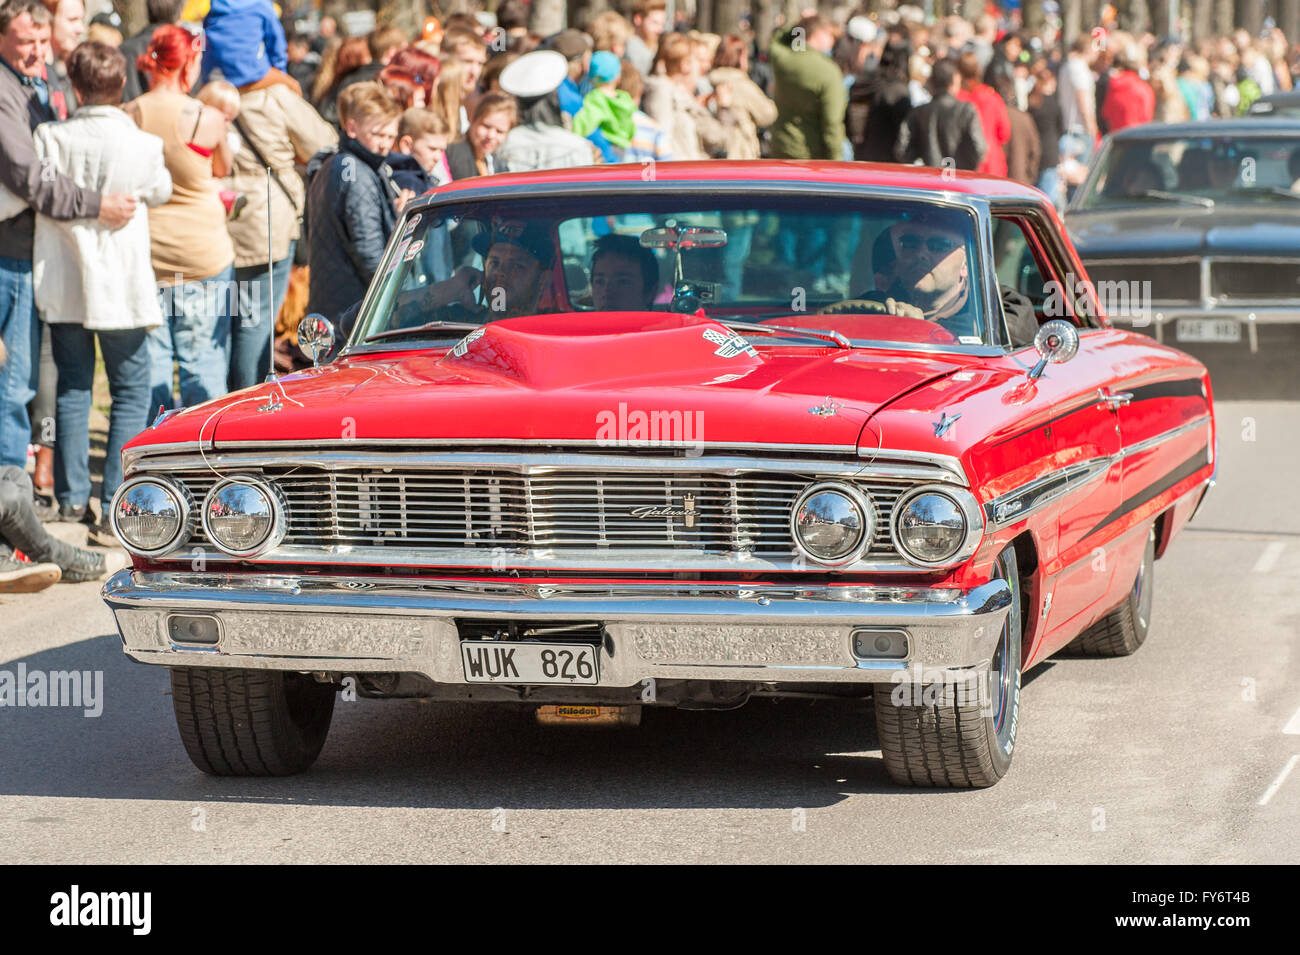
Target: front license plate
(1208,330)
(488,661)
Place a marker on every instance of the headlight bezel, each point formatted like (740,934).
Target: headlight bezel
(279,514)
(965,503)
(860,499)
(179,494)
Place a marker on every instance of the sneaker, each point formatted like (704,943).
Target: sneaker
(47,511)
(75,515)
(84,565)
(101,535)
(22,577)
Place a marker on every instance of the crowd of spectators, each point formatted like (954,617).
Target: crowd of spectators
(173,199)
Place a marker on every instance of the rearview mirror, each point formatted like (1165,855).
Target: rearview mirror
(683,237)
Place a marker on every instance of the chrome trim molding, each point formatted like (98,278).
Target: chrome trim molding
(667,630)
(1020,502)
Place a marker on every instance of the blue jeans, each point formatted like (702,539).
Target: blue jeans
(1049,181)
(250,331)
(195,334)
(20,330)
(126,359)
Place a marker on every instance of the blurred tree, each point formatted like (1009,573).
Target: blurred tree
(1032,10)
(546,17)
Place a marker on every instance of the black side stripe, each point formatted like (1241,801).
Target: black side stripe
(1189,467)
(1181,388)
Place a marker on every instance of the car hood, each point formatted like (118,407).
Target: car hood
(1175,231)
(638,380)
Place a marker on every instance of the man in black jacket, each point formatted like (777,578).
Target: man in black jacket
(944,128)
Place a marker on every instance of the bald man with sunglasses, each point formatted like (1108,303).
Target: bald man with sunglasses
(922,271)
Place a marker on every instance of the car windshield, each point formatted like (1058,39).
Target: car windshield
(855,270)
(1197,170)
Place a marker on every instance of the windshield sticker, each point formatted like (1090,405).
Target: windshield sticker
(411,223)
(397,257)
(969,339)
(729,344)
(462,346)
(413,250)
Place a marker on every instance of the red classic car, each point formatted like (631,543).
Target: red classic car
(685,435)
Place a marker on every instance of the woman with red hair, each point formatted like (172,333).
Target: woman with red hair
(193,258)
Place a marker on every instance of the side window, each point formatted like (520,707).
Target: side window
(1022,279)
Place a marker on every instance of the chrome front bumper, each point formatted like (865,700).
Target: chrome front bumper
(665,631)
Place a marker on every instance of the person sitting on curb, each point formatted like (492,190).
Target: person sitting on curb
(48,559)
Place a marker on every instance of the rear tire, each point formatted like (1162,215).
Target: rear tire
(960,739)
(1125,628)
(251,722)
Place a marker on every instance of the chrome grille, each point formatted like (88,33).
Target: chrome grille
(560,510)
(1170,281)
(1261,279)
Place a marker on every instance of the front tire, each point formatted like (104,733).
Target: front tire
(251,722)
(961,739)
(1125,628)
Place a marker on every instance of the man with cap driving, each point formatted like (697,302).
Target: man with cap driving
(540,141)
(517,259)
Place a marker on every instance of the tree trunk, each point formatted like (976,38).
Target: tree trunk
(1137,18)
(546,17)
(1202,20)
(704,16)
(1071,21)
(1033,15)
(582,12)
(1250,14)
(407,15)
(1224,14)
(1288,18)
(726,15)
(134,16)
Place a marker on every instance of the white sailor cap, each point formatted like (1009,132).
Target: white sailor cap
(534,74)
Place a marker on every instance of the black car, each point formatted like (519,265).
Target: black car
(1191,232)
(1277,106)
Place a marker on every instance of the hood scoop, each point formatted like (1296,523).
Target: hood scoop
(551,352)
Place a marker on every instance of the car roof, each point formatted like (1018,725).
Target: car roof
(758,171)
(1242,126)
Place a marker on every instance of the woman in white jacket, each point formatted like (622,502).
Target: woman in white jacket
(90,281)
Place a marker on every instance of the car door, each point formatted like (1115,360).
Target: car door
(1069,428)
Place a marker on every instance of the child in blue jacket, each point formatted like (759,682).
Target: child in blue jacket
(244,40)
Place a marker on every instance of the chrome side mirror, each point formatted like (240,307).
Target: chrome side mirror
(315,336)
(1056,341)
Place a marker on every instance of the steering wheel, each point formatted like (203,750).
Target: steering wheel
(890,306)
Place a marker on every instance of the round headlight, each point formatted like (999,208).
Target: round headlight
(243,516)
(929,527)
(150,516)
(832,523)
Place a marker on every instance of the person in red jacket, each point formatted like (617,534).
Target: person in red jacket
(994,121)
(1130,100)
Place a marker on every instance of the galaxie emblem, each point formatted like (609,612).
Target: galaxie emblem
(686,512)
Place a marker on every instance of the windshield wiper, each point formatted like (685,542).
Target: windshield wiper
(1189,198)
(829,336)
(1268,190)
(419,329)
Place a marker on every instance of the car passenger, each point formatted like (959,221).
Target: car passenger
(624,275)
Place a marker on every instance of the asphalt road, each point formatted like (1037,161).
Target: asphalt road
(1188,751)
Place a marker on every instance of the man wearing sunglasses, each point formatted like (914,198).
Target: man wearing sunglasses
(922,271)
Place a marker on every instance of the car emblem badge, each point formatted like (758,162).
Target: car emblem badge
(462,346)
(729,344)
(944,423)
(825,409)
(686,512)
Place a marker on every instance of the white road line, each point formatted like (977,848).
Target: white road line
(1292,727)
(1268,560)
(1281,778)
